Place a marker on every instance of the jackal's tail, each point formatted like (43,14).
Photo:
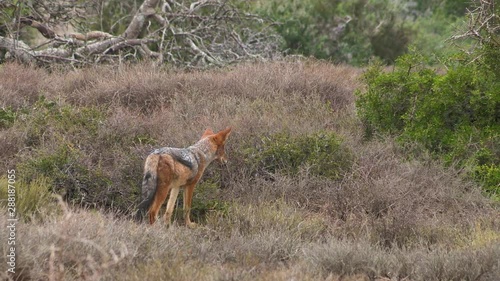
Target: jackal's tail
(149,185)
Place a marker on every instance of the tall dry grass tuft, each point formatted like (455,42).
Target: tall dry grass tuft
(140,88)
(21,86)
(10,144)
(342,258)
(145,88)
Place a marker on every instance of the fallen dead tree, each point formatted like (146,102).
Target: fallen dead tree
(193,34)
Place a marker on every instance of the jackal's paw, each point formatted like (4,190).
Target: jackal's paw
(191,224)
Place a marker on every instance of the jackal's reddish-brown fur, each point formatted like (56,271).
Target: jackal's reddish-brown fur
(167,170)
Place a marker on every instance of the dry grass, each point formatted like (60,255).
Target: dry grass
(21,85)
(250,243)
(390,217)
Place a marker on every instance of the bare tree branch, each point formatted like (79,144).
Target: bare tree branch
(484,24)
(46,31)
(197,34)
(146,10)
(18,50)
(92,35)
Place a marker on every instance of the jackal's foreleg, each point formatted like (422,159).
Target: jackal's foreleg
(188,200)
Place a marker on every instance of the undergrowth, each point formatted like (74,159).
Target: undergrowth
(304,195)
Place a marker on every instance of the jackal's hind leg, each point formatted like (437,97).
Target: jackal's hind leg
(171,204)
(159,198)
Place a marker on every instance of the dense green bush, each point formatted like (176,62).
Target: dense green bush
(454,115)
(392,97)
(323,153)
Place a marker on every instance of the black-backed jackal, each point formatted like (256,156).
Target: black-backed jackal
(169,169)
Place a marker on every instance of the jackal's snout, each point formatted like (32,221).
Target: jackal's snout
(223,160)
(220,141)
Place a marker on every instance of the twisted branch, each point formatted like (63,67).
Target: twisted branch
(206,32)
(484,24)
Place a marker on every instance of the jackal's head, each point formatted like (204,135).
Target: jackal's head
(217,142)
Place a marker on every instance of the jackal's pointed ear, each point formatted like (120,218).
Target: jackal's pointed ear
(207,133)
(221,136)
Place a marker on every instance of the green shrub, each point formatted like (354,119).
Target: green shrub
(453,115)
(391,98)
(204,202)
(489,177)
(50,121)
(68,175)
(323,153)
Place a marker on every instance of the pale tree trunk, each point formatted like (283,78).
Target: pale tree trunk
(134,28)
